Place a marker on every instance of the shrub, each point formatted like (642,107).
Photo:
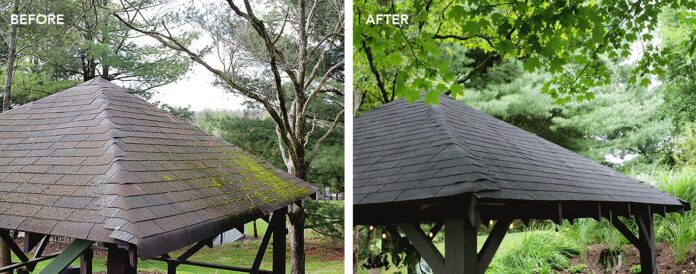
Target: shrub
(676,229)
(635,269)
(538,252)
(588,231)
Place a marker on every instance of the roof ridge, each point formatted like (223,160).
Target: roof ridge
(441,119)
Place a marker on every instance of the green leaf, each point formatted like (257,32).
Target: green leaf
(394,59)
(457,12)
(471,28)
(532,63)
(556,65)
(432,98)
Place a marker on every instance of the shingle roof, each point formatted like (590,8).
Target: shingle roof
(407,152)
(94,162)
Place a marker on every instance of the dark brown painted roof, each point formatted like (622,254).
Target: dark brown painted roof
(407,152)
(94,162)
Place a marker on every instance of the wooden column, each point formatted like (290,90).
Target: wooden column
(86,261)
(31,240)
(460,246)
(279,240)
(644,242)
(118,261)
(461,252)
(646,247)
(171,268)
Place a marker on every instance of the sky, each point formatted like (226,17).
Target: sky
(195,89)
(197,92)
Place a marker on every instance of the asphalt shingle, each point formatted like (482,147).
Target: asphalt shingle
(410,152)
(94,162)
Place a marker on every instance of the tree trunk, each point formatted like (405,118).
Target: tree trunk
(10,63)
(256,231)
(296,216)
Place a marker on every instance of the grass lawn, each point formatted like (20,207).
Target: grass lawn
(510,240)
(321,256)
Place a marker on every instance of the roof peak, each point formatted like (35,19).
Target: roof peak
(95,162)
(413,151)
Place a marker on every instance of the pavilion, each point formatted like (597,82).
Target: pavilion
(99,165)
(457,167)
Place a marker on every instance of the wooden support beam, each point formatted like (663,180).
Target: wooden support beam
(424,246)
(648,255)
(5,235)
(118,261)
(209,265)
(86,261)
(621,227)
(39,251)
(491,245)
(30,241)
(272,223)
(32,261)
(279,240)
(42,246)
(172,265)
(194,249)
(435,229)
(460,246)
(67,256)
(559,218)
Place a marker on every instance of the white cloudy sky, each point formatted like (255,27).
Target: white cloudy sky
(195,89)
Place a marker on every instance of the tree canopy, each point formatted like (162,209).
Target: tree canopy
(570,39)
(91,43)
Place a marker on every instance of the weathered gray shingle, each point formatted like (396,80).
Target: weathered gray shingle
(94,162)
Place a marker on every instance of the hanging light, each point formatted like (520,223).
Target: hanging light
(430,234)
(372,228)
(384,235)
(512,226)
(490,222)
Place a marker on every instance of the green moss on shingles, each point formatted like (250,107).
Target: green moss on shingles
(255,172)
(215,183)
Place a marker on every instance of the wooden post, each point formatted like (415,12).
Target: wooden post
(647,244)
(460,246)
(118,261)
(86,261)
(171,268)
(30,241)
(279,241)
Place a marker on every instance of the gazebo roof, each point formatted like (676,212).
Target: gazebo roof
(415,154)
(96,163)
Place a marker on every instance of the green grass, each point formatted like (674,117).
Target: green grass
(537,252)
(234,254)
(677,230)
